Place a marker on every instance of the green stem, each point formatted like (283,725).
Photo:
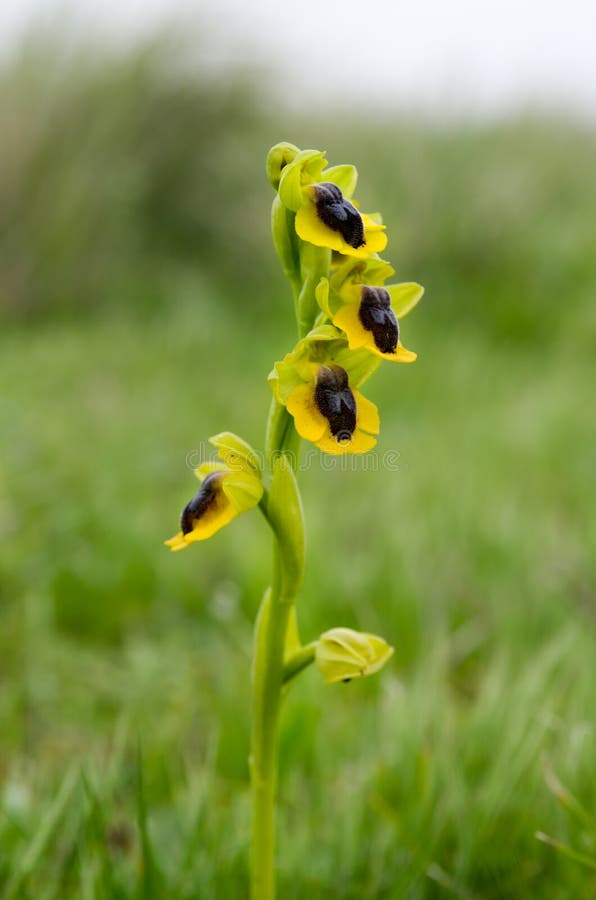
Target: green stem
(281,506)
(279,425)
(299,661)
(314,263)
(267,681)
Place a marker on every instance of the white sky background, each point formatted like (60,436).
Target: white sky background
(440,57)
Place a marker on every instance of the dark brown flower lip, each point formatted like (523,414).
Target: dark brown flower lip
(196,508)
(339,214)
(335,401)
(376,316)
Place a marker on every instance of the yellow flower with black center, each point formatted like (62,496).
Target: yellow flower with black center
(318,383)
(334,416)
(227,489)
(369,314)
(327,219)
(326,214)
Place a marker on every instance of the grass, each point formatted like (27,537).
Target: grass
(469,543)
(128,666)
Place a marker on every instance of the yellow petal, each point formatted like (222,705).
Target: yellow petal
(218,514)
(362,442)
(358,443)
(348,319)
(208,467)
(401,354)
(309,421)
(215,518)
(329,444)
(373,221)
(376,241)
(367,414)
(310,228)
(177,542)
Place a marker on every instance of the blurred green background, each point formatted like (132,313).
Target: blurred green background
(141,309)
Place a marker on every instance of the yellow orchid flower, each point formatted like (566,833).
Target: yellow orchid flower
(326,214)
(334,416)
(367,312)
(318,383)
(327,219)
(227,489)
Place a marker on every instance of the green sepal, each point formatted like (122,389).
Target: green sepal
(345,177)
(322,345)
(243,489)
(305,168)
(327,344)
(322,295)
(359,364)
(235,452)
(342,654)
(404,297)
(284,377)
(295,368)
(278,158)
(372,271)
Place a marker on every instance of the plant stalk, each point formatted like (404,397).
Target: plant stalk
(267,685)
(282,508)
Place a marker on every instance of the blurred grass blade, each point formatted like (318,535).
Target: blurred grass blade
(567,851)
(440,876)
(150,876)
(567,799)
(44,835)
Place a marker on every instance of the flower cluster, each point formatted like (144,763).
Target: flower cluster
(355,320)
(349,320)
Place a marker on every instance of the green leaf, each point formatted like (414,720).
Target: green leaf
(47,831)
(284,512)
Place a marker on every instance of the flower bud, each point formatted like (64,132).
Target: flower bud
(277,159)
(342,654)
